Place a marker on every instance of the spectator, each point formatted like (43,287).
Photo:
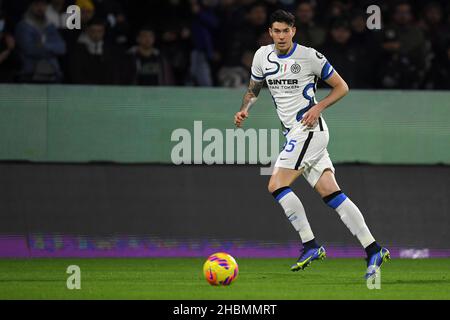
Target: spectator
(404,51)
(412,46)
(341,54)
(208,41)
(39,45)
(245,36)
(8,58)
(117,27)
(436,34)
(56,13)
(433,23)
(332,11)
(146,65)
(395,70)
(237,76)
(227,14)
(87,12)
(410,37)
(364,41)
(176,44)
(87,9)
(360,33)
(204,24)
(308,33)
(94,61)
(14,11)
(438,77)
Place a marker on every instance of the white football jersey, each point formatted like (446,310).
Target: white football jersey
(292,81)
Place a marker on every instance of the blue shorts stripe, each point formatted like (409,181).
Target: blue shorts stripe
(282,194)
(336,202)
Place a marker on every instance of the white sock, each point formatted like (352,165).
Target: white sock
(294,210)
(352,217)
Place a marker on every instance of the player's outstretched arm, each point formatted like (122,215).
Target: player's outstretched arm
(249,99)
(339,90)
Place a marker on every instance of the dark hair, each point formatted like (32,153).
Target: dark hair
(282,16)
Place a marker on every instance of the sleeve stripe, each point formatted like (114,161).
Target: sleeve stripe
(257,78)
(327,71)
(329,75)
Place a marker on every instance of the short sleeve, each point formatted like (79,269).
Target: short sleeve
(257,69)
(320,65)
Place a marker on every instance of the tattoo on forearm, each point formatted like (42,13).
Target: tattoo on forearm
(255,87)
(252,92)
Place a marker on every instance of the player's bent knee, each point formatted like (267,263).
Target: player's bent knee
(326,191)
(275,184)
(326,184)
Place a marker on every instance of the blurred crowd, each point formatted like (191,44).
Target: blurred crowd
(212,42)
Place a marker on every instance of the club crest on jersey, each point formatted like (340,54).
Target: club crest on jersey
(295,68)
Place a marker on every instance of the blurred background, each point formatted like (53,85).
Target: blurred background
(87,120)
(212,42)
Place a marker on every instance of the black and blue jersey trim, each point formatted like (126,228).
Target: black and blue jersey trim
(257,78)
(287,55)
(274,62)
(327,71)
(312,100)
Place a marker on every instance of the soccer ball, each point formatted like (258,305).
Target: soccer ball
(220,269)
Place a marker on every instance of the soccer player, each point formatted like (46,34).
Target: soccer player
(291,72)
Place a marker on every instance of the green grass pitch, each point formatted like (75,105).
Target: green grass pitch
(173,278)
